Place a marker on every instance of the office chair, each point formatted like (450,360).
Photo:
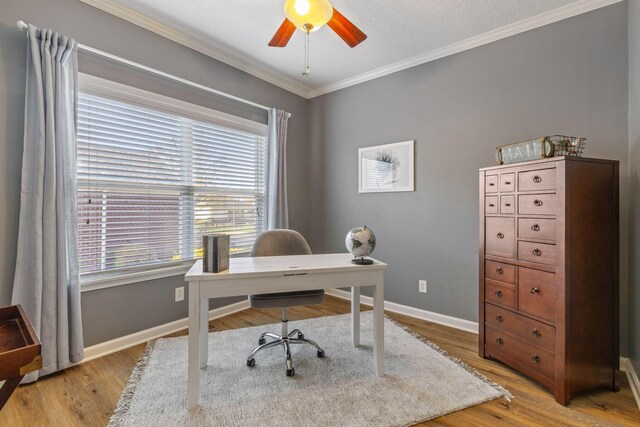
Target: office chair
(274,243)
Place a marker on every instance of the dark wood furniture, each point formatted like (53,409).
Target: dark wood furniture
(549,281)
(20,349)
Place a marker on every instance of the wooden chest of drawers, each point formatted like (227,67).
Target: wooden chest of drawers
(549,271)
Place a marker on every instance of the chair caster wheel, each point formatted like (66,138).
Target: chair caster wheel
(291,372)
(261,341)
(300,336)
(251,362)
(320,354)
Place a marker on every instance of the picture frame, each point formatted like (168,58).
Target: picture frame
(386,168)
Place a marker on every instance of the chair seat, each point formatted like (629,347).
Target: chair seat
(287,299)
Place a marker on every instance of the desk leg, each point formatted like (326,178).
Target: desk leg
(378,325)
(355,315)
(193,378)
(204,333)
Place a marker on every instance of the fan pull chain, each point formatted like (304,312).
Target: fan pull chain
(307,69)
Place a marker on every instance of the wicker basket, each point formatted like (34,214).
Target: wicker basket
(567,145)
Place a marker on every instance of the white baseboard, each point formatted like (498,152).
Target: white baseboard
(417,313)
(112,346)
(108,347)
(632,376)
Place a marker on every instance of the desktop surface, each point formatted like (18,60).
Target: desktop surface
(281,265)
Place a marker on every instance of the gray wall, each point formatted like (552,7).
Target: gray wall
(569,78)
(114,312)
(634,159)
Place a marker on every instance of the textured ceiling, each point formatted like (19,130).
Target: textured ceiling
(398,30)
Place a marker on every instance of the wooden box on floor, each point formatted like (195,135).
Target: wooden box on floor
(19,349)
(549,282)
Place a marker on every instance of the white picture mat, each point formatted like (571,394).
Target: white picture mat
(376,176)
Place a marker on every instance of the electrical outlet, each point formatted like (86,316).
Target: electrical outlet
(422,286)
(180,294)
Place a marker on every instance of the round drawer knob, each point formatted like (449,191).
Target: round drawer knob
(500,236)
(499,270)
(535,290)
(499,318)
(498,293)
(535,227)
(537,252)
(537,179)
(507,204)
(499,341)
(491,205)
(536,333)
(538,202)
(535,358)
(491,184)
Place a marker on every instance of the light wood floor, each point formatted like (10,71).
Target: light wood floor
(86,395)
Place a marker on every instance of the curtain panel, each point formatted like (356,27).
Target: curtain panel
(46,279)
(277,210)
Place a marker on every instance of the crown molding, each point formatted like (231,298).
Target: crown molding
(196,44)
(546,18)
(531,23)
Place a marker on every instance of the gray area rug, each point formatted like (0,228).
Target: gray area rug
(421,382)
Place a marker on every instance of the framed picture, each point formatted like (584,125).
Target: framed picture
(386,168)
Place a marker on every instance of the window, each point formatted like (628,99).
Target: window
(155,174)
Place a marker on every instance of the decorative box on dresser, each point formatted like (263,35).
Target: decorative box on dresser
(549,271)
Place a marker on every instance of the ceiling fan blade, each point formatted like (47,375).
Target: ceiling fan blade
(345,29)
(284,33)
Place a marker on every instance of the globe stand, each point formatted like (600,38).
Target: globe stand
(362,261)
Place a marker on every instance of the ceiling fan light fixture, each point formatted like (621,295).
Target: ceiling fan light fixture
(302,7)
(305,13)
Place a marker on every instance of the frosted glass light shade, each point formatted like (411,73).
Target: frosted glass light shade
(313,12)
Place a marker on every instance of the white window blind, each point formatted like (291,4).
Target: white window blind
(151,183)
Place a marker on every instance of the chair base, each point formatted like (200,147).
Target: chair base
(293,337)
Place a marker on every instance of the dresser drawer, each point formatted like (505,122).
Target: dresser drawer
(537,204)
(507,182)
(491,184)
(500,239)
(543,179)
(508,204)
(531,360)
(537,228)
(500,293)
(504,273)
(537,293)
(491,205)
(529,330)
(542,253)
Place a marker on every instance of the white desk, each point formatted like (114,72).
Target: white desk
(262,275)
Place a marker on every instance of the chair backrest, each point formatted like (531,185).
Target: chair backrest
(280,242)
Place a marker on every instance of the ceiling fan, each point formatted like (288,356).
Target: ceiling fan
(309,16)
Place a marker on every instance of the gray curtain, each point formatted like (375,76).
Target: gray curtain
(277,212)
(46,280)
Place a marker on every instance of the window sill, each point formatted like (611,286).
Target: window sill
(104,281)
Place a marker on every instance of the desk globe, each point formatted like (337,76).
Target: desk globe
(360,242)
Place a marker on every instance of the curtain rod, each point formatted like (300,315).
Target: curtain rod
(22,26)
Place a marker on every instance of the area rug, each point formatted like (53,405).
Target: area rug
(421,381)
